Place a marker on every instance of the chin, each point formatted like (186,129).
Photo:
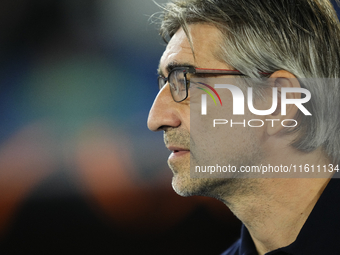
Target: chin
(222,189)
(180,186)
(186,186)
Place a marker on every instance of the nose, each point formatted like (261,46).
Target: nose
(163,113)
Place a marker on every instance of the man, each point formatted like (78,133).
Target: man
(283,41)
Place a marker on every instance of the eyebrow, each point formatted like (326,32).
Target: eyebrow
(173,65)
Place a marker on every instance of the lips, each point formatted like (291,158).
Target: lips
(177,152)
(175,149)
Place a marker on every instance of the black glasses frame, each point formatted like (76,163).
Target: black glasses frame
(162,81)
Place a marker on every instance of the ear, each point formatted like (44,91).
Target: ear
(282,79)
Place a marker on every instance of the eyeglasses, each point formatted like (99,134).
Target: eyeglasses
(179,80)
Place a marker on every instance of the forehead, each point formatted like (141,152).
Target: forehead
(205,39)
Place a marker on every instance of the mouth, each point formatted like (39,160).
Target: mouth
(177,151)
(180,152)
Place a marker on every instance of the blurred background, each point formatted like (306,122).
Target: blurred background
(79,170)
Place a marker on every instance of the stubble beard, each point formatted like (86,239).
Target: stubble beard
(223,189)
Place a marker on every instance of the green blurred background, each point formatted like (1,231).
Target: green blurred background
(79,170)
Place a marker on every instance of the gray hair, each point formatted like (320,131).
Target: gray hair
(299,36)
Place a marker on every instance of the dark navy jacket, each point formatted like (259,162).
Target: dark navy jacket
(320,234)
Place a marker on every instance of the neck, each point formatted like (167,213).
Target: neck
(276,209)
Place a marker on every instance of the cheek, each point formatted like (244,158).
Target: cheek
(230,141)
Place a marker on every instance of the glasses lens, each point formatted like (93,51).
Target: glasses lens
(178,85)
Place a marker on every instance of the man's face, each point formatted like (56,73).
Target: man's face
(174,118)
